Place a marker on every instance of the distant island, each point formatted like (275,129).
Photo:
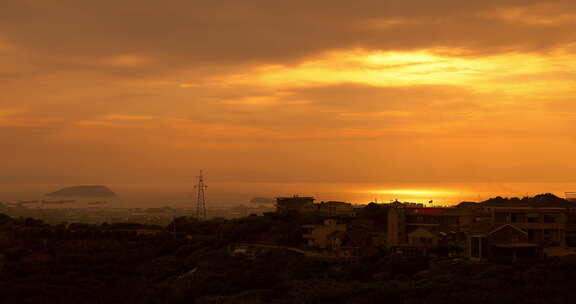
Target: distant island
(262,200)
(84,191)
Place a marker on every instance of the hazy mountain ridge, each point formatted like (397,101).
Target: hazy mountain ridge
(263,200)
(83,191)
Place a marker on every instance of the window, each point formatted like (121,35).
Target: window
(571,218)
(532,235)
(551,238)
(475,250)
(517,217)
(550,218)
(450,220)
(571,238)
(501,217)
(533,218)
(547,235)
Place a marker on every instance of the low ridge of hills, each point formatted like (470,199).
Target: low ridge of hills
(540,200)
(263,200)
(83,191)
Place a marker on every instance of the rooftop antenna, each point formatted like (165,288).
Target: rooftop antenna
(200,198)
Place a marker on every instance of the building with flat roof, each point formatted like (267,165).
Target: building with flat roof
(306,205)
(333,208)
(437,221)
(295,204)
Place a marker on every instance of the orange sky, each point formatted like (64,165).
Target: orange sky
(385,95)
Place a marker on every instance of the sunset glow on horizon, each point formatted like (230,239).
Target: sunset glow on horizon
(415,192)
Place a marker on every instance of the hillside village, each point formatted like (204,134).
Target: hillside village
(498,229)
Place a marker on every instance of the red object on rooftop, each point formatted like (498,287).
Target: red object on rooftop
(435,211)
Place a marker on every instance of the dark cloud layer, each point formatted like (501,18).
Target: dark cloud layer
(188,33)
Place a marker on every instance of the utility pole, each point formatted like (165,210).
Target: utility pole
(200,198)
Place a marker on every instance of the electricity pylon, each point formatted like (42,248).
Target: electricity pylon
(200,198)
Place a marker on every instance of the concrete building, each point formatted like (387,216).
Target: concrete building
(407,225)
(499,229)
(331,235)
(506,243)
(543,228)
(547,226)
(507,231)
(295,204)
(306,205)
(337,209)
(422,236)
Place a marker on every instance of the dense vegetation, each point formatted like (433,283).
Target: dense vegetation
(189,262)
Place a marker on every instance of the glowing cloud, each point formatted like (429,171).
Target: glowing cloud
(424,67)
